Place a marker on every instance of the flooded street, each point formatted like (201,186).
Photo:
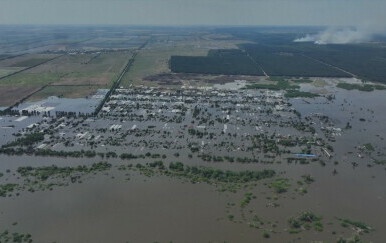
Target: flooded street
(126,201)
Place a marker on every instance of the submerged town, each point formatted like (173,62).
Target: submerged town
(221,155)
(212,124)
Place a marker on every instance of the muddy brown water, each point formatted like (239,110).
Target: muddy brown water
(163,209)
(143,209)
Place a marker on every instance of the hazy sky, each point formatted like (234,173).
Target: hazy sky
(194,12)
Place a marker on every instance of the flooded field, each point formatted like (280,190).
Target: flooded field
(222,164)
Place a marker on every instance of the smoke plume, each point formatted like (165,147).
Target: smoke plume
(343,35)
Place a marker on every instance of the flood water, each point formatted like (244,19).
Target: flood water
(107,207)
(53,104)
(142,209)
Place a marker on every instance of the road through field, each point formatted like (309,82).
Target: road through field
(119,79)
(254,61)
(30,67)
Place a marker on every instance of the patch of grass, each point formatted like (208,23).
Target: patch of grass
(305,221)
(318,226)
(266,234)
(46,172)
(360,225)
(247,199)
(369,147)
(277,79)
(280,185)
(226,180)
(308,179)
(380,162)
(354,239)
(7,236)
(7,188)
(379,87)
(31,79)
(366,87)
(47,177)
(280,85)
(302,190)
(201,173)
(304,80)
(294,231)
(296,93)
(27,140)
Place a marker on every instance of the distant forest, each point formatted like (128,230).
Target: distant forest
(229,62)
(278,56)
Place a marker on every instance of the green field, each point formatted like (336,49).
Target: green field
(30,79)
(26,60)
(8,70)
(81,74)
(72,70)
(365,87)
(30,62)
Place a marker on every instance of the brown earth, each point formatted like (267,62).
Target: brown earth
(10,95)
(176,78)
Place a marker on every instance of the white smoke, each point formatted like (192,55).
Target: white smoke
(343,35)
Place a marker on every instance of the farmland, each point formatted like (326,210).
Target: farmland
(4,71)
(84,72)
(98,69)
(25,61)
(154,59)
(11,94)
(68,56)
